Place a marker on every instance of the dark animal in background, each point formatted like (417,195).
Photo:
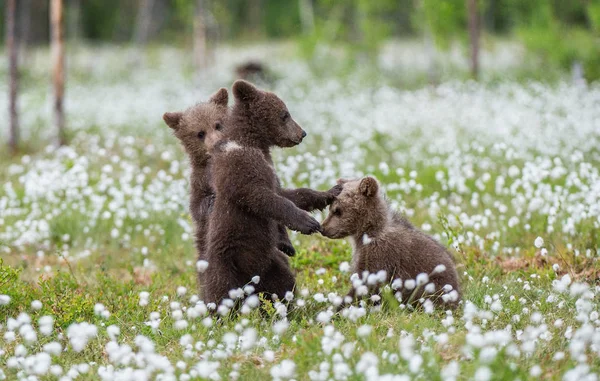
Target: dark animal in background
(253,71)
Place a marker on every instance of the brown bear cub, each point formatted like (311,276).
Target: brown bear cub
(198,129)
(248,207)
(252,117)
(416,264)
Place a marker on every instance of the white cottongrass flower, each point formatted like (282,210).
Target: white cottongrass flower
(539,242)
(98,309)
(366,239)
(113,331)
(53,348)
(181,291)
(422,279)
(344,267)
(201,266)
(46,324)
(439,269)
(208,369)
(279,327)
(248,339)
(36,305)
(324,317)
(4,300)
(415,362)
(483,373)
(284,370)
(256,279)
(80,334)
(397,284)
(144,296)
(368,364)
(364,330)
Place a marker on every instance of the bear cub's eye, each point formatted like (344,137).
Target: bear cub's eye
(336,212)
(201,135)
(218,126)
(285,116)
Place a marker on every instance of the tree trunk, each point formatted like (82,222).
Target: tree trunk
(58,63)
(474,31)
(200,41)
(144,22)
(12,47)
(307,15)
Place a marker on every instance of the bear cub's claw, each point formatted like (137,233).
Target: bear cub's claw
(334,192)
(306,225)
(287,249)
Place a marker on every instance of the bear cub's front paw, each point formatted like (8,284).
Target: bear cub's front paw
(306,224)
(287,248)
(334,192)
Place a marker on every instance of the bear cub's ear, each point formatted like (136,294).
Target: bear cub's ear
(221,97)
(245,91)
(368,187)
(172,119)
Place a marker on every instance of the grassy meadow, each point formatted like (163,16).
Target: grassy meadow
(97,264)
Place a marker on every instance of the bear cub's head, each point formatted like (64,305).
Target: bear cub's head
(201,126)
(350,212)
(268,115)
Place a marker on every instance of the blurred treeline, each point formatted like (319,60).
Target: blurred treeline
(562,32)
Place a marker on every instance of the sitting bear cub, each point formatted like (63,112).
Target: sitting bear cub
(384,240)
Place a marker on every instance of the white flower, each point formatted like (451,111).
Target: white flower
(4,300)
(422,279)
(483,373)
(280,326)
(98,309)
(201,266)
(285,370)
(52,348)
(539,242)
(415,363)
(344,267)
(255,279)
(36,305)
(113,331)
(181,291)
(79,334)
(366,239)
(364,330)
(410,284)
(439,269)
(535,371)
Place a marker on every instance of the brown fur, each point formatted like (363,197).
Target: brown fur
(198,129)
(243,229)
(395,245)
(254,112)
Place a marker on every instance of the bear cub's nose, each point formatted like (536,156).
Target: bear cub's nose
(303,134)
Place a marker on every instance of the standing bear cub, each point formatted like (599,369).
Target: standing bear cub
(384,240)
(249,205)
(198,129)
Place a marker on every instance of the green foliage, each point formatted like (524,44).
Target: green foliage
(446,20)
(549,37)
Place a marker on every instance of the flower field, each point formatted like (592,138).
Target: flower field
(97,279)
